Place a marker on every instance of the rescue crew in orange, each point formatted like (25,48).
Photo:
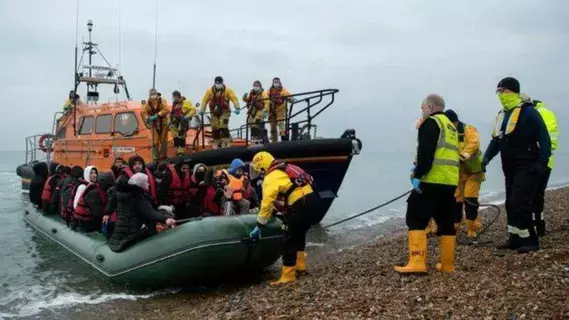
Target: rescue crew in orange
(289,190)
(155,112)
(217,98)
(258,109)
(235,188)
(174,187)
(279,97)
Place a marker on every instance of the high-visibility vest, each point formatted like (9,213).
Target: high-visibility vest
(512,122)
(445,167)
(551,123)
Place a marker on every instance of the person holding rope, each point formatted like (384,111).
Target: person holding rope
(434,180)
(288,189)
(155,112)
(258,108)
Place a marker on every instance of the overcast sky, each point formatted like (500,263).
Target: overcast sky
(383,56)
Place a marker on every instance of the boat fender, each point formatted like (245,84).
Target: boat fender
(100,257)
(53,230)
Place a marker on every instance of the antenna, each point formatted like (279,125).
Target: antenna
(119,64)
(155,45)
(75,75)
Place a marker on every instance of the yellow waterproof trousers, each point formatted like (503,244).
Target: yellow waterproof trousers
(277,118)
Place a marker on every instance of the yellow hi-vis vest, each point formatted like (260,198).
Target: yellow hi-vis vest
(551,123)
(446,162)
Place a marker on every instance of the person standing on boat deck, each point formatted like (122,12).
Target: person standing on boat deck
(136,216)
(37,183)
(471,175)
(68,104)
(289,189)
(218,98)
(155,111)
(174,187)
(234,188)
(278,110)
(538,202)
(521,137)
(180,117)
(434,180)
(258,109)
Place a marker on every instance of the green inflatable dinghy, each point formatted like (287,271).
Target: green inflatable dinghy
(204,248)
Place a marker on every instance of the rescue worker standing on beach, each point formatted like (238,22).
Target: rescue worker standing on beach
(520,136)
(289,189)
(278,109)
(218,97)
(180,116)
(155,111)
(258,108)
(434,181)
(471,175)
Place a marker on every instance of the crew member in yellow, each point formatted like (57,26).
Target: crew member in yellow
(279,97)
(287,189)
(471,176)
(258,108)
(155,112)
(550,120)
(218,98)
(434,182)
(180,117)
(68,104)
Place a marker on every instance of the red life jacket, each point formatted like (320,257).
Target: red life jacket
(47,188)
(248,191)
(218,99)
(179,191)
(194,187)
(297,176)
(152,189)
(207,203)
(177,111)
(67,211)
(83,212)
(253,97)
(275,96)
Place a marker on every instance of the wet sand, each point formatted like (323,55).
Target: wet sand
(351,277)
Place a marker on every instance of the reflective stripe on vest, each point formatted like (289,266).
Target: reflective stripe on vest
(179,191)
(551,123)
(474,163)
(445,167)
(512,122)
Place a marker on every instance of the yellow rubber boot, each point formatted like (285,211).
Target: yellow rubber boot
(477,224)
(301,262)
(431,227)
(471,229)
(288,275)
(417,253)
(458,227)
(448,245)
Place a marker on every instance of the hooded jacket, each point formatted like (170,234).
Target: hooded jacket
(52,182)
(96,202)
(37,183)
(81,188)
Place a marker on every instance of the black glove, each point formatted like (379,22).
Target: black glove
(484,164)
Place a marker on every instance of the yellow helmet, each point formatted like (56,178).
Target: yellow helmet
(261,162)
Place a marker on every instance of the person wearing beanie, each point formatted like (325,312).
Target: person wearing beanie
(136,215)
(521,138)
(180,117)
(258,108)
(278,110)
(471,176)
(218,97)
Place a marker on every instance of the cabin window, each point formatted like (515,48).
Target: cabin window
(86,125)
(103,124)
(61,132)
(126,123)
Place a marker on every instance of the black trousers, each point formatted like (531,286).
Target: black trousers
(301,216)
(539,200)
(521,187)
(437,201)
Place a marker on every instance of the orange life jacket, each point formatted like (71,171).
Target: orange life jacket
(236,184)
(297,176)
(275,96)
(179,191)
(83,211)
(253,97)
(48,189)
(218,99)
(151,182)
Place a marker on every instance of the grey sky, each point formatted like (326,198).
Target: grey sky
(383,56)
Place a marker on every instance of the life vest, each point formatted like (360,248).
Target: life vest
(218,99)
(48,189)
(248,191)
(177,111)
(67,211)
(83,211)
(275,96)
(298,177)
(194,187)
(208,204)
(236,184)
(445,167)
(179,190)
(551,124)
(497,132)
(152,188)
(253,99)
(474,163)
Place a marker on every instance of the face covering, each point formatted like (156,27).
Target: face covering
(154,96)
(509,100)
(256,89)
(276,84)
(200,176)
(218,86)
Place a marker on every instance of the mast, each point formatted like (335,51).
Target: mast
(155,45)
(75,75)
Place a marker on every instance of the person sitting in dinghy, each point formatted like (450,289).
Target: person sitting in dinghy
(117,167)
(136,216)
(37,183)
(55,175)
(233,186)
(68,185)
(90,201)
(174,184)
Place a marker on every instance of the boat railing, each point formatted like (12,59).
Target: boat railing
(311,104)
(33,146)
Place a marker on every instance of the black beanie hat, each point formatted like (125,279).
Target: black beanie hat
(135,158)
(510,84)
(451,115)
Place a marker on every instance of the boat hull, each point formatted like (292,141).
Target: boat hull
(196,251)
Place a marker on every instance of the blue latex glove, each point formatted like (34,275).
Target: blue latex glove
(201,113)
(237,111)
(265,114)
(255,234)
(152,117)
(416,182)
(105,227)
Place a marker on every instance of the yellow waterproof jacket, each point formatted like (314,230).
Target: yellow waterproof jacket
(160,108)
(187,108)
(264,96)
(276,182)
(471,144)
(229,96)
(551,124)
(284,93)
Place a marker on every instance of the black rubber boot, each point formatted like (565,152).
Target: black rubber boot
(530,243)
(512,243)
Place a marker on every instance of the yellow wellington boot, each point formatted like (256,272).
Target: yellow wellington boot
(417,253)
(477,224)
(471,229)
(288,275)
(301,262)
(458,227)
(448,245)
(431,227)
